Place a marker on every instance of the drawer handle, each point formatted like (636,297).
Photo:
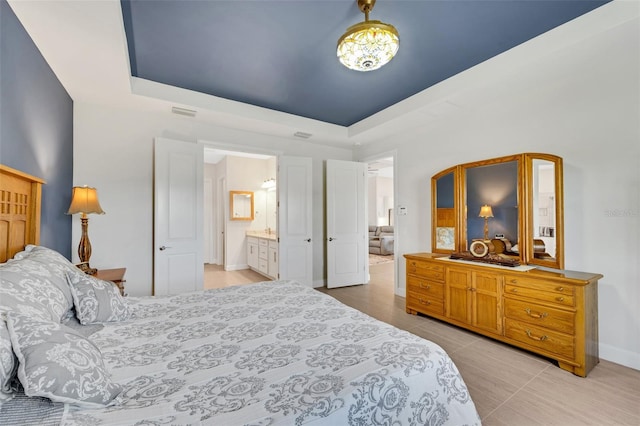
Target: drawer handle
(425,302)
(426,287)
(560,299)
(533,315)
(540,339)
(559,288)
(514,290)
(514,281)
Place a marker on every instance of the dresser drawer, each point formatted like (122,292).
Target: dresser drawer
(542,316)
(539,337)
(559,289)
(263,252)
(425,304)
(263,242)
(540,290)
(425,269)
(425,287)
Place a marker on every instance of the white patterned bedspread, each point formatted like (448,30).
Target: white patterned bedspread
(272,353)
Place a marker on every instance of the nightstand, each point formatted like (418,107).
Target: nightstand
(116,276)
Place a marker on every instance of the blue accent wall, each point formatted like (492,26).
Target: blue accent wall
(36,126)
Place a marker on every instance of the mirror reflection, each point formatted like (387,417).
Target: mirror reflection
(241,205)
(492,203)
(544,211)
(444,215)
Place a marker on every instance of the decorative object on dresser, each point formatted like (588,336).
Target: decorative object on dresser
(116,276)
(84,200)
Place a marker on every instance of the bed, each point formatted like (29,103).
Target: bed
(269,353)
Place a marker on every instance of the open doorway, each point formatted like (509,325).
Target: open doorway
(380,208)
(226,260)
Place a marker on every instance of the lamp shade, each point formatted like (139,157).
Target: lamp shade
(84,199)
(485,211)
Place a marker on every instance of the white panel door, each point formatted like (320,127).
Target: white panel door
(346,223)
(178,264)
(295,225)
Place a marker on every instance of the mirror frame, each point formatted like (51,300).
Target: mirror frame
(525,206)
(434,210)
(244,193)
(558,261)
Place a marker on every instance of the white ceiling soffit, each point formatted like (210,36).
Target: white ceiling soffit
(84,43)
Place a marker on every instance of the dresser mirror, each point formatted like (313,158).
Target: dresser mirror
(241,205)
(515,202)
(545,214)
(443,200)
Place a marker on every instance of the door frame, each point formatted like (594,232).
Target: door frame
(396,261)
(221,189)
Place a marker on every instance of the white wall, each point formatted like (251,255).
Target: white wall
(244,174)
(113,151)
(581,102)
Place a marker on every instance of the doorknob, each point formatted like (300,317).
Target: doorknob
(331,238)
(308,240)
(163,248)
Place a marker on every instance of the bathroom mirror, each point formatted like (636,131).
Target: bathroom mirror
(241,205)
(515,201)
(271,211)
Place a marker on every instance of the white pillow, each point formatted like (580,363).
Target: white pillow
(57,363)
(96,301)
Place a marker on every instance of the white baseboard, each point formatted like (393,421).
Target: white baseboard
(620,356)
(236,267)
(318,283)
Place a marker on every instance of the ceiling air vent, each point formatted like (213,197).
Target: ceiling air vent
(183,111)
(302,135)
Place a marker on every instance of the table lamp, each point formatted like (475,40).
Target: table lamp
(486,213)
(84,200)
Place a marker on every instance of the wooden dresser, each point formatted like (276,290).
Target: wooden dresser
(550,312)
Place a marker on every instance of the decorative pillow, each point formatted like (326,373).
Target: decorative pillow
(55,265)
(56,363)
(8,364)
(96,301)
(21,291)
(44,271)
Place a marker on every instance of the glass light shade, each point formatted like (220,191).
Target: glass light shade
(485,211)
(84,199)
(368,45)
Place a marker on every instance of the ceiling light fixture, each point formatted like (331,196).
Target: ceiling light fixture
(368,45)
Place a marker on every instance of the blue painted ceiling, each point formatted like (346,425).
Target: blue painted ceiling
(281,54)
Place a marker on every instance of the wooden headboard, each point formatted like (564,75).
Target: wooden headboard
(20,198)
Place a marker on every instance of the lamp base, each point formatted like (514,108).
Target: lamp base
(84,267)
